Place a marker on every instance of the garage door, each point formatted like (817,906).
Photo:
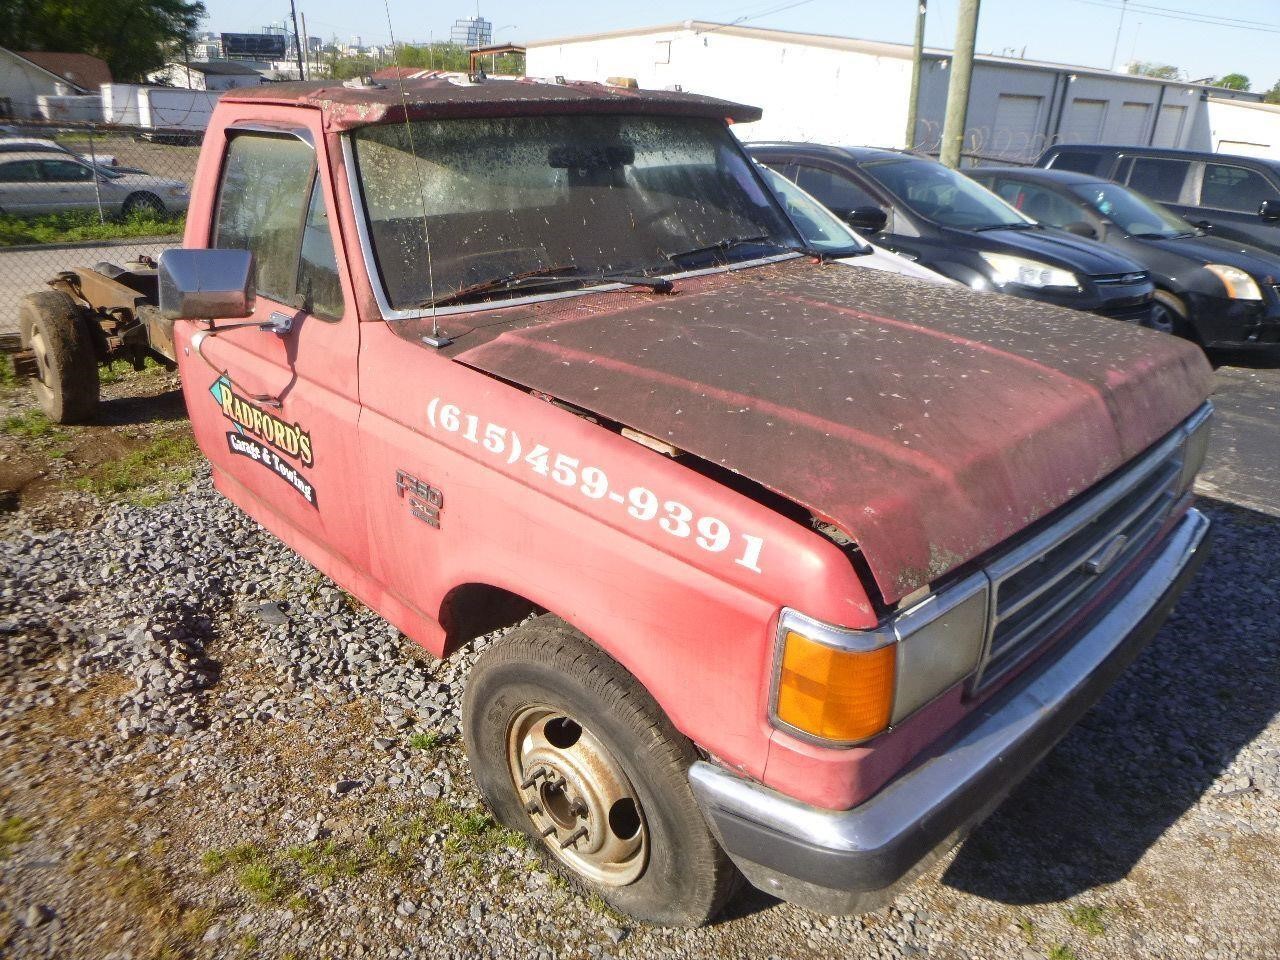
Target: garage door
(1016,130)
(1169,126)
(1084,122)
(1130,127)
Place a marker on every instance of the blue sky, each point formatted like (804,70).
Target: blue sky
(1069,31)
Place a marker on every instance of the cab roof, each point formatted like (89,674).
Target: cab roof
(349,105)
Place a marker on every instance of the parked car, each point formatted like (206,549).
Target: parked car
(1236,197)
(828,235)
(35,145)
(941,219)
(32,184)
(1217,291)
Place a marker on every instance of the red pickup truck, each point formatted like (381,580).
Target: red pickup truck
(807,565)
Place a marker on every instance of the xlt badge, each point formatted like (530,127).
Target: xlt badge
(425,501)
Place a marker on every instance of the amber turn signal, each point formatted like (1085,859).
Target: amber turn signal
(839,695)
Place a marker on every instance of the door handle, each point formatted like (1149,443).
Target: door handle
(197,342)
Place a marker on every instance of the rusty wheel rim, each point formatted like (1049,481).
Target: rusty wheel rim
(43,378)
(577,796)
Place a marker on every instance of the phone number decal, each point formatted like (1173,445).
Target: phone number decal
(639,503)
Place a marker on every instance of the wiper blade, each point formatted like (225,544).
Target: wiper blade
(1006,226)
(536,279)
(722,246)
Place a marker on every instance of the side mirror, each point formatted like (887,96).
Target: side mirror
(206,284)
(866,219)
(1269,210)
(1081,229)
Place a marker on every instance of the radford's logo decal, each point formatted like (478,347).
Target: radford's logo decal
(288,438)
(277,437)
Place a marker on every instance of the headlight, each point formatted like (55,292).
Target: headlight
(1195,446)
(842,686)
(1006,268)
(1240,286)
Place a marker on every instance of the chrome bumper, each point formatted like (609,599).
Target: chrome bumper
(851,861)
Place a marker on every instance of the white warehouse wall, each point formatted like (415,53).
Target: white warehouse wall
(1238,126)
(807,92)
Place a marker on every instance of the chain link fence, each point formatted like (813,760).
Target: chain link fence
(73,195)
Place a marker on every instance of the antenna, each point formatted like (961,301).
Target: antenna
(435,339)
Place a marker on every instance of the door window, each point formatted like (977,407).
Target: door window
(319,288)
(1158,178)
(1081,161)
(1229,187)
(263,205)
(836,192)
(65,171)
(21,171)
(1038,203)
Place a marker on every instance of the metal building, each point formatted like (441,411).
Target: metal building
(843,90)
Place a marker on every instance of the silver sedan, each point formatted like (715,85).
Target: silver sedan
(36,183)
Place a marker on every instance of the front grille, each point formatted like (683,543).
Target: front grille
(1043,581)
(1132,312)
(1119,279)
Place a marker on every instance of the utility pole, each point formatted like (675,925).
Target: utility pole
(306,51)
(958,87)
(293,12)
(1124,6)
(917,57)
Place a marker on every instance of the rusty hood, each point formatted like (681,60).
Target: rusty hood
(929,423)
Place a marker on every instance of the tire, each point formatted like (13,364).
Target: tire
(67,383)
(1169,315)
(545,698)
(142,203)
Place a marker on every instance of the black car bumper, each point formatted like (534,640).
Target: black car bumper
(851,861)
(1235,324)
(1129,302)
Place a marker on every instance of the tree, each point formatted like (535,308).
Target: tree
(1272,95)
(132,36)
(1161,71)
(1233,81)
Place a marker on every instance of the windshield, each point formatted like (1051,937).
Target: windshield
(821,229)
(943,195)
(570,195)
(1132,212)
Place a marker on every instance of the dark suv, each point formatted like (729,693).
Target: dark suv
(916,207)
(1238,198)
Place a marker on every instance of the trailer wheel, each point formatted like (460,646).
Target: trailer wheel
(66,380)
(570,749)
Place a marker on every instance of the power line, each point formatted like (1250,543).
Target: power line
(1256,26)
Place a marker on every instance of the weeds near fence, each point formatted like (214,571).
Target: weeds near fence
(84,225)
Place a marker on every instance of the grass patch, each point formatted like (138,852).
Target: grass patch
(1060,951)
(84,225)
(1088,919)
(1027,927)
(145,476)
(327,862)
(426,741)
(264,882)
(14,831)
(30,425)
(473,834)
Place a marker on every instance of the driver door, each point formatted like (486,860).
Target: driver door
(277,409)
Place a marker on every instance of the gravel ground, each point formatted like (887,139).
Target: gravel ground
(208,750)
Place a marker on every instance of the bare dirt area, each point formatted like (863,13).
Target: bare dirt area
(207,750)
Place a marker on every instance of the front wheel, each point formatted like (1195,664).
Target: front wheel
(1169,315)
(570,749)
